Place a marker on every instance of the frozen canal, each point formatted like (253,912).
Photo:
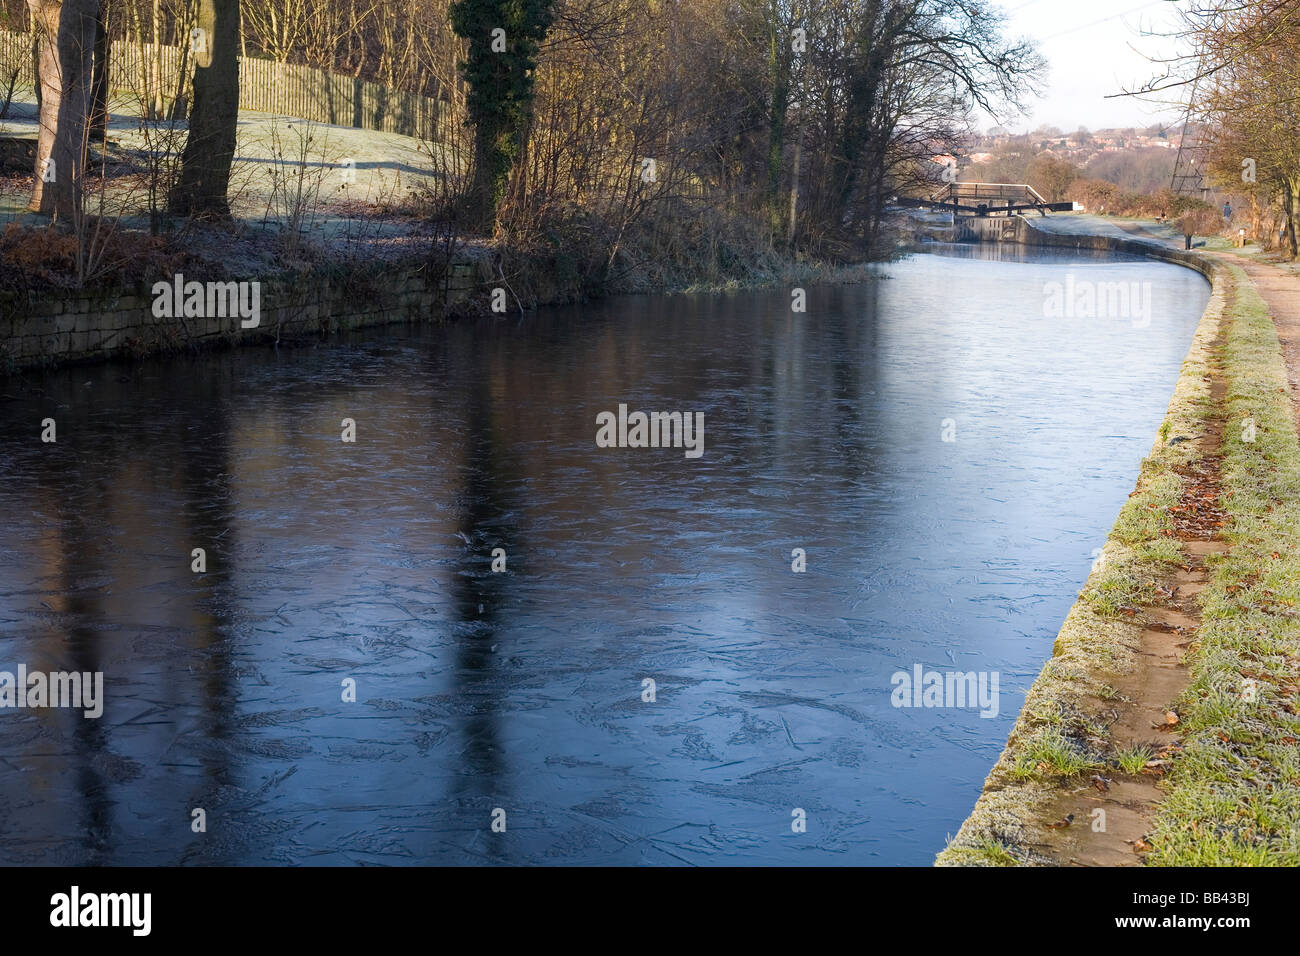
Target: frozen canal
(525,690)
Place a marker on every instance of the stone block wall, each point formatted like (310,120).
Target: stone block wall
(71,326)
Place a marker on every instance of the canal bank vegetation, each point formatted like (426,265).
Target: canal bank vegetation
(1059,734)
(593,145)
(1202,559)
(1233,794)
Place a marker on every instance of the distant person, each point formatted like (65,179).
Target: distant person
(1227,212)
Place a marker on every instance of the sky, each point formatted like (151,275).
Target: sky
(1094,48)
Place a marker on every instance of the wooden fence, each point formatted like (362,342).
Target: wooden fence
(266,86)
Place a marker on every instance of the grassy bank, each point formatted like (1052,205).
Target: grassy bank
(574,255)
(1233,796)
(1230,794)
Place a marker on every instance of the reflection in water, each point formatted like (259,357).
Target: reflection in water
(522,690)
(479,595)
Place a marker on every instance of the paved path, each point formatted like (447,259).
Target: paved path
(1279,285)
(1086,224)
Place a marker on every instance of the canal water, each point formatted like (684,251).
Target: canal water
(945,448)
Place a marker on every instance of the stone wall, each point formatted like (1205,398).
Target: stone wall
(987,229)
(1147,248)
(1020,229)
(46,329)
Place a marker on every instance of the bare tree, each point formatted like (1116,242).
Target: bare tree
(66,36)
(210,146)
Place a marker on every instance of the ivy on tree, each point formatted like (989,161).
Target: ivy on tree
(500,82)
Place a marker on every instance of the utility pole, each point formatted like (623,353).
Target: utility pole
(1189,164)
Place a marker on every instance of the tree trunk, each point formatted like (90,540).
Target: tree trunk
(862,96)
(1287,240)
(778,109)
(66,64)
(210,146)
(179,105)
(492,160)
(36,58)
(1293,218)
(793,230)
(155,66)
(99,81)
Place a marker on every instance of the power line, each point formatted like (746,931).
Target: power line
(1023,6)
(1113,16)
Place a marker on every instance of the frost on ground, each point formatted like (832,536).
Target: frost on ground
(301,192)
